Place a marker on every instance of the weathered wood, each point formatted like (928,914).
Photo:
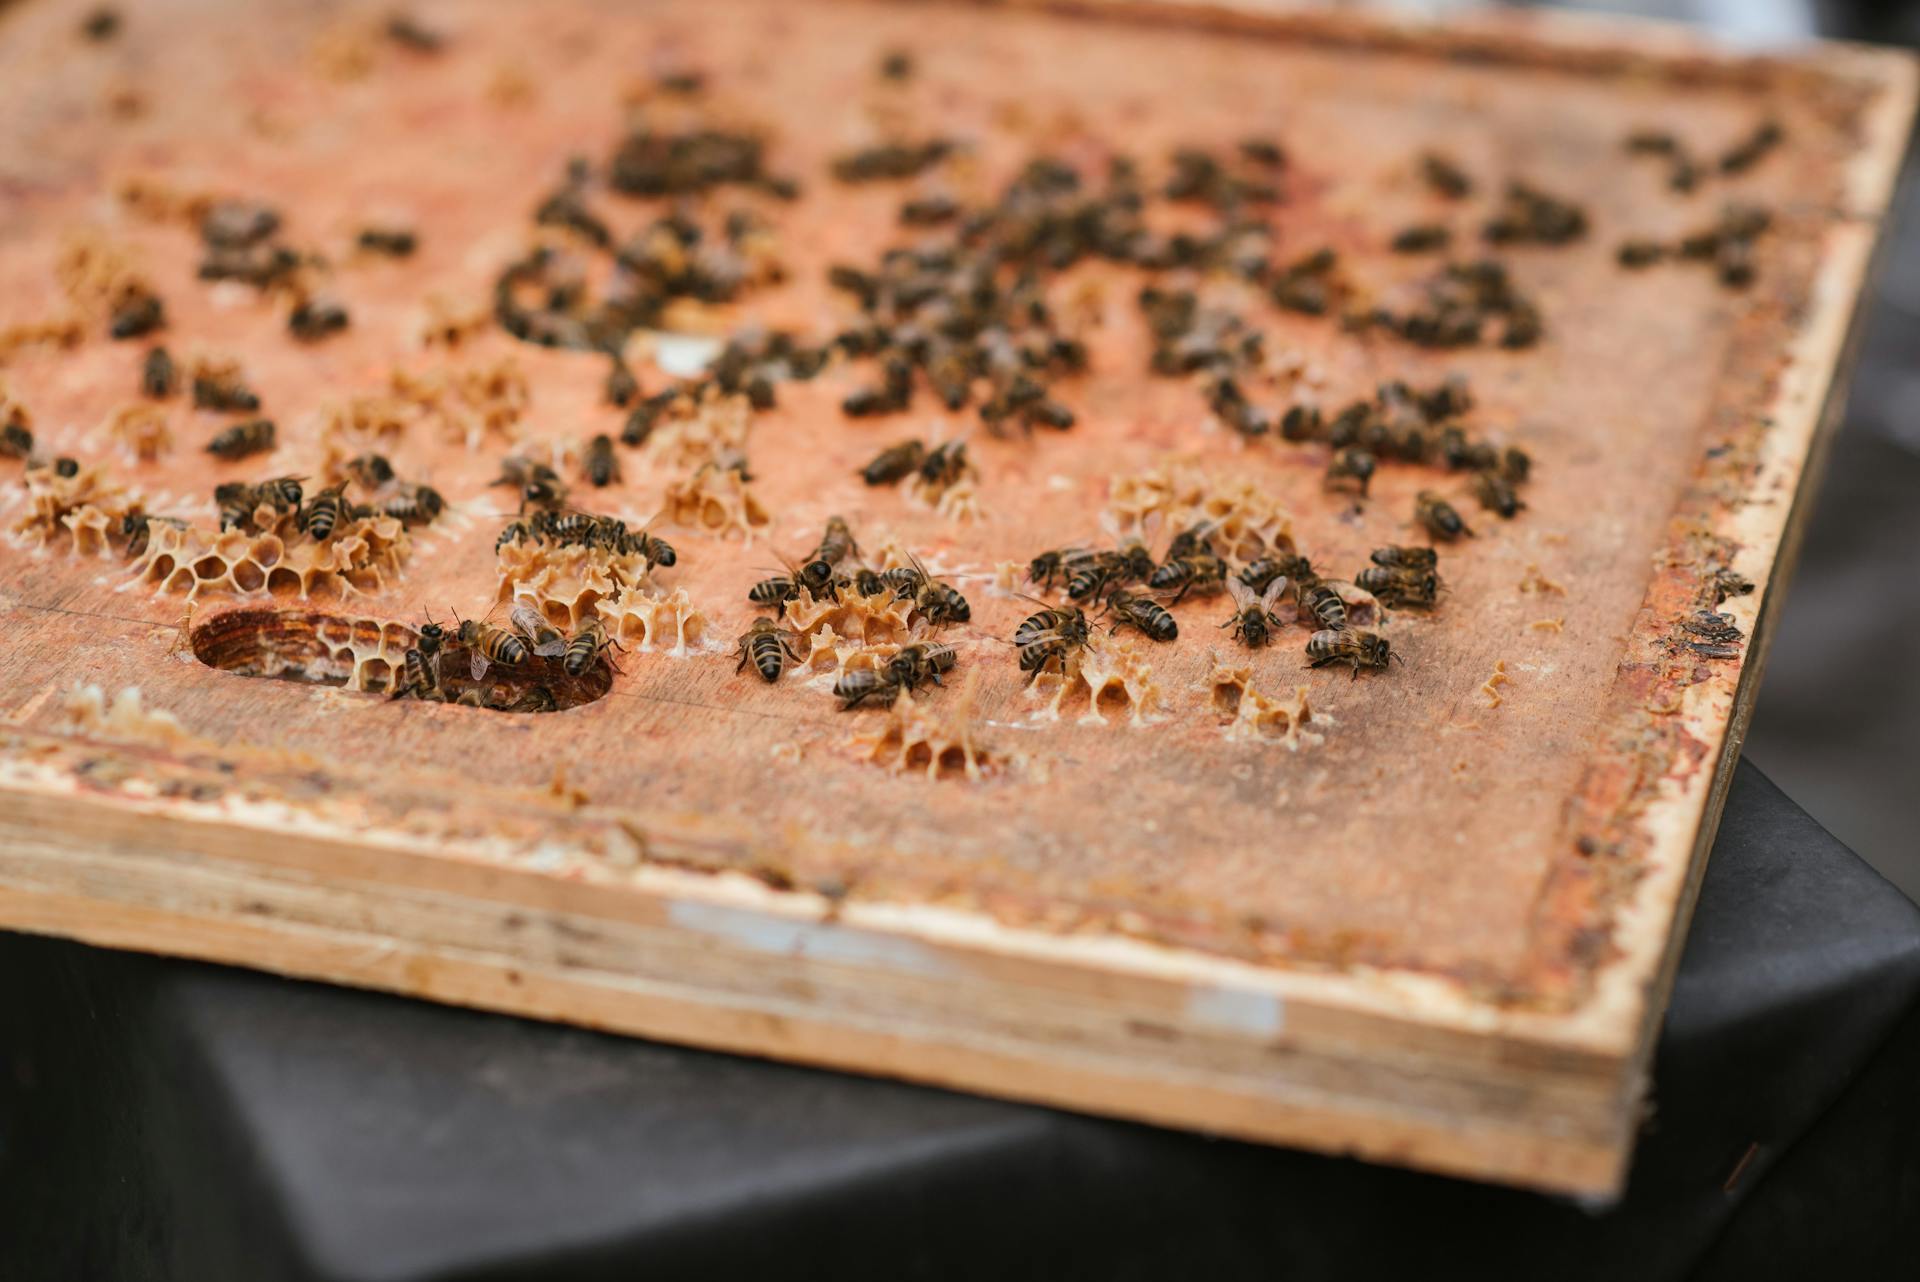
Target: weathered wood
(1435,929)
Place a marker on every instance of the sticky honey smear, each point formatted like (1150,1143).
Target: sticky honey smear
(82,511)
(85,710)
(1245,522)
(469,403)
(1247,715)
(141,428)
(938,742)
(364,556)
(1113,678)
(717,501)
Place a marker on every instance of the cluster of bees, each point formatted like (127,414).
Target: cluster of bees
(1101,579)
(241,240)
(530,640)
(587,529)
(938,467)
(1727,244)
(832,572)
(1685,171)
(220,389)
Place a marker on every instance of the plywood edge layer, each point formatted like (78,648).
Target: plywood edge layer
(1235,1062)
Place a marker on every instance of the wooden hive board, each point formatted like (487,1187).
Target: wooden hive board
(1432,923)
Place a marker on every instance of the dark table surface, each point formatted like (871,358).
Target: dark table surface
(169,1120)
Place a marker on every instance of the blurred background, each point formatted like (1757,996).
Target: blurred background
(1837,725)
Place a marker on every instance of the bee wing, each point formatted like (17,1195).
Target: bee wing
(1271,597)
(1242,594)
(477,663)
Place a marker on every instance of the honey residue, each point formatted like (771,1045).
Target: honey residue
(717,501)
(86,508)
(1248,714)
(364,555)
(653,621)
(85,710)
(142,427)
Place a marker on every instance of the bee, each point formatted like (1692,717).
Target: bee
(1048,566)
(283,492)
(1202,572)
(422,672)
(519,472)
(137,312)
(533,699)
(15,441)
(1350,646)
(944,464)
(913,665)
(394,242)
(770,648)
(236,502)
(255,436)
(1048,635)
(238,223)
(600,465)
(1405,558)
(1317,599)
(622,388)
(1496,494)
(1252,620)
(940,603)
(1132,609)
(1258,574)
(835,546)
(1351,464)
(514,532)
(1089,579)
(542,636)
(1394,585)
(226,393)
(646,415)
(855,687)
(863,582)
(313,319)
(586,644)
(1421,238)
(137,527)
(488,644)
(894,463)
(158,377)
(1445,176)
(1188,542)
(1516,465)
(652,549)
(1438,517)
(372,470)
(324,511)
(416,505)
(1301,423)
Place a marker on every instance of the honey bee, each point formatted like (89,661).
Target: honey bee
(15,441)
(235,502)
(324,511)
(835,546)
(1350,646)
(1352,464)
(1438,517)
(912,666)
(651,548)
(600,465)
(66,465)
(1048,635)
(416,505)
(944,464)
(158,377)
(282,492)
(1405,558)
(1252,620)
(1395,585)
(372,470)
(938,602)
(225,393)
(1188,542)
(1048,566)
(776,591)
(533,699)
(540,634)
(421,677)
(894,464)
(1258,574)
(1315,598)
(1088,581)
(586,644)
(622,388)
(254,436)
(1301,423)
(1201,572)
(856,686)
(1133,609)
(1516,465)
(312,319)
(539,485)
(487,644)
(137,527)
(137,312)
(1496,494)
(392,242)
(770,648)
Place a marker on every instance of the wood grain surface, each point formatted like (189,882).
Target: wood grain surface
(1432,925)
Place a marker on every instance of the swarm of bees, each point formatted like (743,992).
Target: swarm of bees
(565,528)
(532,650)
